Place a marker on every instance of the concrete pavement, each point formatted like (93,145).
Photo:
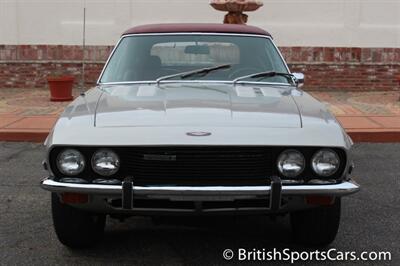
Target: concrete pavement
(370,221)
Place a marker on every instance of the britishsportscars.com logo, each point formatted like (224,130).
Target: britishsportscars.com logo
(242,254)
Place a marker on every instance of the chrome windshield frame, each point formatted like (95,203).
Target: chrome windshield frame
(195,81)
(191,81)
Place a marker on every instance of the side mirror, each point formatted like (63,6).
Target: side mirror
(299,78)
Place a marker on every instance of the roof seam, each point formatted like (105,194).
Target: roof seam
(196,27)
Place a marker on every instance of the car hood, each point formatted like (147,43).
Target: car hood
(168,114)
(190,104)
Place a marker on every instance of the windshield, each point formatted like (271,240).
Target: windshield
(150,57)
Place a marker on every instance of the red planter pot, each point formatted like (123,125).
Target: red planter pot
(60,88)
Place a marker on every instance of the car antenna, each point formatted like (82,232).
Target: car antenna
(83,52)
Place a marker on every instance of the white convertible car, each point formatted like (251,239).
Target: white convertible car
(197,119)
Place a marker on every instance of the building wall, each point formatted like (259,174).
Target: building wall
(338,44)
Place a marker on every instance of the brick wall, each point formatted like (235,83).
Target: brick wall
(330,68)
(27,66)
(326,68)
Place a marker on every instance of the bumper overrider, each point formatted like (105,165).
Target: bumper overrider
(277,196)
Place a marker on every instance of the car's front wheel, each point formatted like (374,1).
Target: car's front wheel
(318,226)
(75,228)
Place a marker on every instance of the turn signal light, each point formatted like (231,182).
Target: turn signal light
(74,198)
(320,200)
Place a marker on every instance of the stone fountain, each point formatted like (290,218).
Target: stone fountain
(235,9)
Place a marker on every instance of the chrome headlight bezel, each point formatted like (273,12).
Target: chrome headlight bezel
(284,155)
(320,153)
(100,154)
(81,162)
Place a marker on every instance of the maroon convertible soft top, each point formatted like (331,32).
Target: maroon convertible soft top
(196,27)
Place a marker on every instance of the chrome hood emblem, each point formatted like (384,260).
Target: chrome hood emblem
(198,134)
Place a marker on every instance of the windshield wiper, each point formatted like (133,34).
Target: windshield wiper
(187,74)
(263,75)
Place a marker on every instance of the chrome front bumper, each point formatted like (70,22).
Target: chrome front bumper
(341,189)
(273,195)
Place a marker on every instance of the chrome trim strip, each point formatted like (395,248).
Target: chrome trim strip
(341,189)
(197,33)
(188,33)
(108,60)
(197,81)
(280,54)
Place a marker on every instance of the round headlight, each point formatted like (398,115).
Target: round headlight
(325,162)
(105,162)
(70,162)
(291,163)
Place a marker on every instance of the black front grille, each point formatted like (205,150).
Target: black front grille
(201,164)
(197,165)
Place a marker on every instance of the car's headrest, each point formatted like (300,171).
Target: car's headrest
(153,61)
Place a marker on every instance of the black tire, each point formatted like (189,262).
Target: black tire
(75,228)
(318,226)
